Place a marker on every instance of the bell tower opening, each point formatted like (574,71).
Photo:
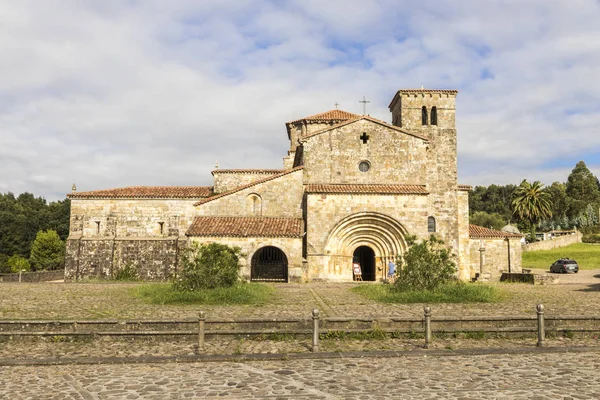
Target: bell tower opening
(365,256)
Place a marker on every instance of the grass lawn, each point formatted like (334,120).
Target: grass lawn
(587,256)
(244,293)
(452,293)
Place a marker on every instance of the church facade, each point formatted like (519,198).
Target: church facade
(350,191)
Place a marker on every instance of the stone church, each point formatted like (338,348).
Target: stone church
(351,189)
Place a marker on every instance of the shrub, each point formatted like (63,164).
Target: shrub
(18,263)
(591,238)
(209,266)
(425,266)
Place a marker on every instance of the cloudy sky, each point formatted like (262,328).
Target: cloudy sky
(114,93)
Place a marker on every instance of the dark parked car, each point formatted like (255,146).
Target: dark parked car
(564,265)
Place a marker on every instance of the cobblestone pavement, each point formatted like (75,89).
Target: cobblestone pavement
(114,301)
(492,376)
(44,348)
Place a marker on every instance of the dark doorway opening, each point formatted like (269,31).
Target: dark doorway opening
(365,256)
(269,264)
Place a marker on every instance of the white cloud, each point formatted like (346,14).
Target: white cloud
(113,93)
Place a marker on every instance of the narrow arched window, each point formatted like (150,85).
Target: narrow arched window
(254,204)
(433,115)
(430,224)
(424,115)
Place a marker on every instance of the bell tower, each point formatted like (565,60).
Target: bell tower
(420,110)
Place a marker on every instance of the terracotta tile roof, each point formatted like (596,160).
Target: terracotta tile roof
(367,189)
(146,192)
(327,116)
(476,231)
(237,189)
(465,187)
(368,118)
(247,227)
(248,171)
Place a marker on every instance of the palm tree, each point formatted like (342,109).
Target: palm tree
(531,203)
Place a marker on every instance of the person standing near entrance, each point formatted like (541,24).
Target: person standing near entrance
(391,270)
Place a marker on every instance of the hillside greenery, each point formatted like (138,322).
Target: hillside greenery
(21,218)
(571,204)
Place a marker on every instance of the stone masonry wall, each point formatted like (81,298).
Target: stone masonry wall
(281,197)
(102,258)
(554,243)
(131,217)
(442,166)
(224,182)
(292,247)
(395,157)
(128,233)
(495,259)
(464,248)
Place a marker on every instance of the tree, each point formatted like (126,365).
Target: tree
(425,266)
(494,199)
(557,193)
(209,266)
(22,217)
(18,263)
(493,221)
(582,188)
(531,203)
(47,251)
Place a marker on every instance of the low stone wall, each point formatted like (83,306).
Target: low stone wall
(102,258)
(554,243)
(38,276)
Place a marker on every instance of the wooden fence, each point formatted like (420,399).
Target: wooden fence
(313,325)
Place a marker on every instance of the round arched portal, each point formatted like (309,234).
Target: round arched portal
(374,237)
(269,264)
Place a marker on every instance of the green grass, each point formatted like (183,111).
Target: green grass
(244,293)
(587,256)
(452,293)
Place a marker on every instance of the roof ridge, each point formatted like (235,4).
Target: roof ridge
(323,116)
(368,118)
(122,192)
(239,188)
(482,231)
(248,170)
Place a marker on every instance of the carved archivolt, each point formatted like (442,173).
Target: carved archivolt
(380,232)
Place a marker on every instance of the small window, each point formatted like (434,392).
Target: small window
(430,224)
(161,225)
(364,166)
(434,115)
(254,204)
(98,227)
(424,115)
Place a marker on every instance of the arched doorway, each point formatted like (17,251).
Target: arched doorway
(269,264)
(382,235)
(365,256)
